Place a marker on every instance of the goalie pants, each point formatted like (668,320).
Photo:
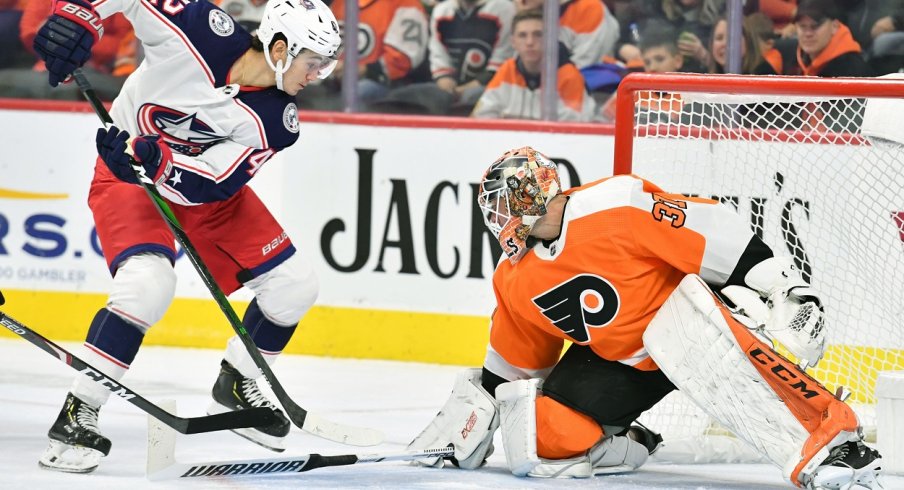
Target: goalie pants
(611,393)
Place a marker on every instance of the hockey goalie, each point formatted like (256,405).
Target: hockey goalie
(627,272)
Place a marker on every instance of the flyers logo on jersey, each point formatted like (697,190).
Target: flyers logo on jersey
(575,306)
(184,133)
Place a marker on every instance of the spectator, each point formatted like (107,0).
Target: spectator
(392,42)
(887,51)
(863,17)
(659,50)
(513,93)
(12,54)
(782,13)
(113,58)
(752,60)
(877,26)
(469,40)
(694,19)
(763,30)
(825,45)
(247,13)
(586,27)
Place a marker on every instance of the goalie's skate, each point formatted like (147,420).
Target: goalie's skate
(232,391)
(76,444)
(849,466)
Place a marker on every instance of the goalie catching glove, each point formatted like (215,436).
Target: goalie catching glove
(783,307)
(117,150)
(466,422)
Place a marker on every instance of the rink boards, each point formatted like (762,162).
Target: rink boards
(384,207)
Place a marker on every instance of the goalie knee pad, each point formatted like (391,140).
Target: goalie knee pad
(143,288)
(286,292)
(518,408)
(467,422)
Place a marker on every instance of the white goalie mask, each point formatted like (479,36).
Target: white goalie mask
(307,24)
(513,195)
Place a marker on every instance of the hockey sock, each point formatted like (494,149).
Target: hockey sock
(267,335)
(563,432)
(269,338)
(112,344)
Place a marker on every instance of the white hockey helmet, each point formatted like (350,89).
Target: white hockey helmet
(513,195)
(306,24)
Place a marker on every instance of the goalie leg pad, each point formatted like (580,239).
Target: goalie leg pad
(721,366)
(518,405)
(467,421)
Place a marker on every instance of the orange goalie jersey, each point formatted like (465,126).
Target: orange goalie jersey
(625,245)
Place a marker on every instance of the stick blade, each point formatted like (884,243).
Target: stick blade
(346,434)
(252,417)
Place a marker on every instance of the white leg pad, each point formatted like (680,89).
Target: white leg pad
(517,406)
(691,341)
(616,454)
(518,410)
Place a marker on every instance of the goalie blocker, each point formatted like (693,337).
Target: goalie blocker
(761,396)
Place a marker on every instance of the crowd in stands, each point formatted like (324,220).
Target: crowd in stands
(483,58)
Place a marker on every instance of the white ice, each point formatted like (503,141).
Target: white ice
(397,397)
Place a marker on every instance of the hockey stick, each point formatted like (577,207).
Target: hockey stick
(357,436)
(229,420)
(163,465)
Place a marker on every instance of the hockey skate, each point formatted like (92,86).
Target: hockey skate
(232,391)
(849,466)
(76,444)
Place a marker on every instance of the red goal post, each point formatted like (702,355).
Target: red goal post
(799,157)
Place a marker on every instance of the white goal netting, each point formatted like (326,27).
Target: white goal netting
(807,172)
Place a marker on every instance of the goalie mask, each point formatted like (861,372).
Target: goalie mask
(513,195)
(307,24)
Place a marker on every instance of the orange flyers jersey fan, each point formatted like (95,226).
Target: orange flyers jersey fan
(624,247)
(510,96)
(391,32)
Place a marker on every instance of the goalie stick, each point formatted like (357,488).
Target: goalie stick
(162,463)
(193,425)
(356,436)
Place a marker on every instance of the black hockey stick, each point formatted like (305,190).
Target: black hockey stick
(285,465)
(300,417)
(192,425)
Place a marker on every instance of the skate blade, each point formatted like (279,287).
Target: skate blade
(69,459)
(273,443)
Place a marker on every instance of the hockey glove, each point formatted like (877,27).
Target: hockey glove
(64,42)
(466,422)
(153,159)
(784,307)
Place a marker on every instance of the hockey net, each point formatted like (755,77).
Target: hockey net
(797,159)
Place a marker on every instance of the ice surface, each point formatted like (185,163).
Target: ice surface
(399,398)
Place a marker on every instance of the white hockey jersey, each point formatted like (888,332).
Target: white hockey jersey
(220,133)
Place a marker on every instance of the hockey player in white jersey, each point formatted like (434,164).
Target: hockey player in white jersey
(617,267)
(208,106)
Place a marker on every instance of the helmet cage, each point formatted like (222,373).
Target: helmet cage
(513,195)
